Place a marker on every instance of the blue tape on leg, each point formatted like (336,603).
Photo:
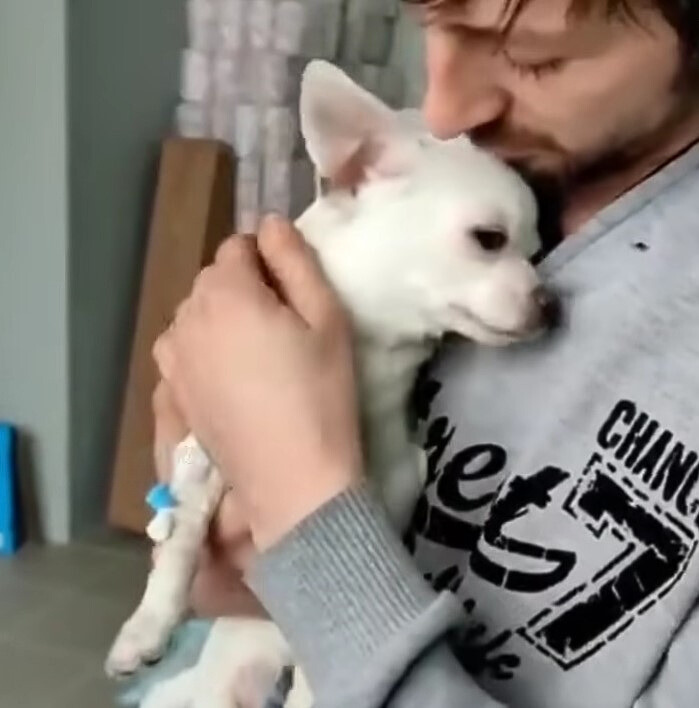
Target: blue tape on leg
(160,497)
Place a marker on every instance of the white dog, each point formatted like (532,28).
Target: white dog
(420,237)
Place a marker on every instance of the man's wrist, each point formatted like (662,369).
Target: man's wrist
(273,516)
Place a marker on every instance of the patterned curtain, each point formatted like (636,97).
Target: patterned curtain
(240,80)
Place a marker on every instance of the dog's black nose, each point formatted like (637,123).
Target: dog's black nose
(550,308)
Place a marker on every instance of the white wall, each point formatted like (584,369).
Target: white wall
(34,250)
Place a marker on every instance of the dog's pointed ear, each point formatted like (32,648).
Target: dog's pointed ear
(351,136)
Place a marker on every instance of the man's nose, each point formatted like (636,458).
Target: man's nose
(462,89)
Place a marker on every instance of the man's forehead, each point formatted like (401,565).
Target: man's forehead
(533,16)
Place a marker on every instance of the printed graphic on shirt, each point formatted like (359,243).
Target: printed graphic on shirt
(638,494)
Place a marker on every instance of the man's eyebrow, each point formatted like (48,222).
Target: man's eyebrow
(545,38)
(493,18)
(504,28)
(505,23)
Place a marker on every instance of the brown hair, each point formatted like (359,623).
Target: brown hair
(683,15)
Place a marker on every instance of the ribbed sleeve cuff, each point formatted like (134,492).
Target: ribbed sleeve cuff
(347,594)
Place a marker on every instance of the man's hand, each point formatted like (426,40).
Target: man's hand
(218,588)
(259,360)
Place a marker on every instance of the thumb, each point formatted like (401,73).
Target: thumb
(297,272)
(170,429)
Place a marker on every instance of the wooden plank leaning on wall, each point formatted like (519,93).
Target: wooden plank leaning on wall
(192,214)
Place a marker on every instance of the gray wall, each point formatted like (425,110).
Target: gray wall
(34,250)
(124,59)
(87,92)
(408,53)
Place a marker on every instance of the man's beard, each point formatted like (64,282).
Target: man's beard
(545,167)
(548,178)
(553,173)
(541,158)
(551,188)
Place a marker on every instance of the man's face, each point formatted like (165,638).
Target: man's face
(560,91)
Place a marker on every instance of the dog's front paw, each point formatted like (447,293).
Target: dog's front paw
(142,640)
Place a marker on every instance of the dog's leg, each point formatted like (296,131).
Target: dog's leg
(252,686)
(241,663)
(198,487)
(300,695)
(177,692)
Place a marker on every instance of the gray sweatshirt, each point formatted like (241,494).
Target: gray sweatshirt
(551,562)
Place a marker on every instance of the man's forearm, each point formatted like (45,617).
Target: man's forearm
(365,626)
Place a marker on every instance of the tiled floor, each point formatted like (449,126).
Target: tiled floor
(59,610)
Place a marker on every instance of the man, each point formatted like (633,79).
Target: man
(562,506)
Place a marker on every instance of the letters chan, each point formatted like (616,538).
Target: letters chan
(667,467)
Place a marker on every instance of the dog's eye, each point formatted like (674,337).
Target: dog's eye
(490,238)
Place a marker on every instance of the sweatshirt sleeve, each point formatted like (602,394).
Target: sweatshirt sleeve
(675,684)
(365,626)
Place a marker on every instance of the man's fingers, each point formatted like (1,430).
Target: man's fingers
(238,257)
(238,265)
(297,272)
(163,355)
(238,249)
(237,274)
(166,411)
(170,429)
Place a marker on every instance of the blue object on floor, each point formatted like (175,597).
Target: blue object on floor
(9,492)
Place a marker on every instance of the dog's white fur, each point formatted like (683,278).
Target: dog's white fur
(396,234)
